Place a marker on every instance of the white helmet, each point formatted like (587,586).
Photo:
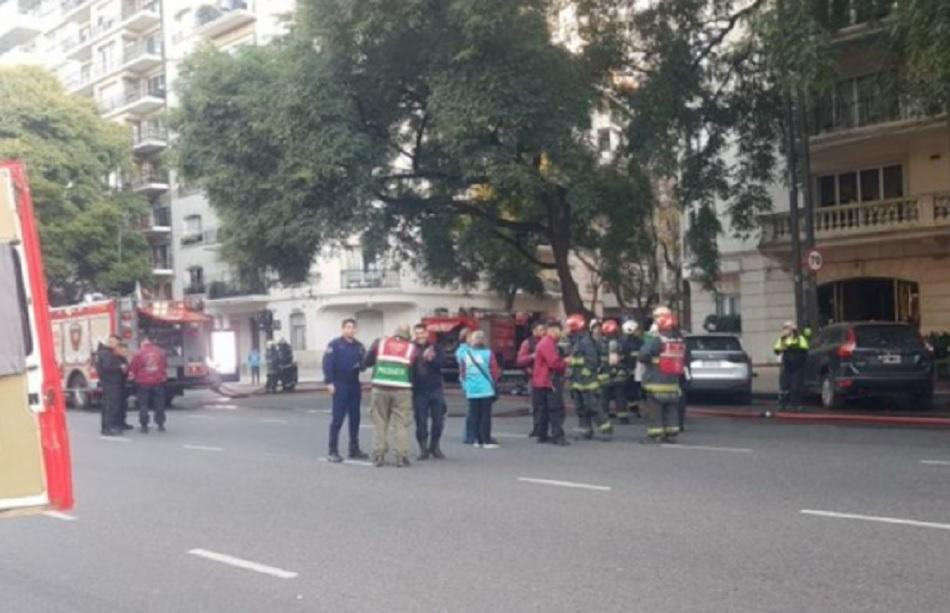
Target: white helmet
(630,327)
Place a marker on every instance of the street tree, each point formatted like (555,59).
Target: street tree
(87,229)
(455,133)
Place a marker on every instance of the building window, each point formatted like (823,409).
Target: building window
(727,304)
(298,331)
(866,185)
(196,277)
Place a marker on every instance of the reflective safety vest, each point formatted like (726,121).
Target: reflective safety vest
(393,363)
(664,358)
(672,360)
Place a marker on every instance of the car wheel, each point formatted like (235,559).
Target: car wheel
(77,393)
(830,398)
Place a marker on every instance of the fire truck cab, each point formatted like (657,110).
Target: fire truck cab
(34,445)
(180,328)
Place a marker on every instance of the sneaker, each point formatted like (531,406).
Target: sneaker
(110,432)
(402,462)
(437,453)
(478,445)
(491,446)
(356,454)
(492,441)
(561,443)
(334,458)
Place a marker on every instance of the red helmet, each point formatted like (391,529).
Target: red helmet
(610,327)
(575,323)
(664,318)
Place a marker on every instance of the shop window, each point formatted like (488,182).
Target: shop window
(298,331)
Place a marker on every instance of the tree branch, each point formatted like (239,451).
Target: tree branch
(520,248)
(725,31)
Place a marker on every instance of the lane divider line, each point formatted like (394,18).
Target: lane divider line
(116,439)
(60,515)
(936,462)
(274,421)
(202,448)
(706,448)
(245,564)
(353,462)
(569,484)
(872,518)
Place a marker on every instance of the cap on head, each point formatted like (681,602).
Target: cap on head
(575,323)
(664,318)
(594,324)
(630,327)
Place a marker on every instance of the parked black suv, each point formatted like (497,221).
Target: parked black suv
(850,360)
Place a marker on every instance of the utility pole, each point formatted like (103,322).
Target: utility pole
(791,153)
(811,286)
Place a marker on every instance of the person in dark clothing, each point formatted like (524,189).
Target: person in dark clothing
(663,356)
(343,361)
(428,398)
(272,357)
(112,368)
(149,370)
(793,349)
(525,360)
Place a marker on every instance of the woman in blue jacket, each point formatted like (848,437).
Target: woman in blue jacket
(478,372)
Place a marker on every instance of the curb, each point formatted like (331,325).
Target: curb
(889,420)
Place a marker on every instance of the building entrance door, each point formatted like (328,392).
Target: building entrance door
(869,299)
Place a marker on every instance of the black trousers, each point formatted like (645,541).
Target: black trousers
(479,419)
(346,405)
(113,394)
(589,409)
(791,382)
(551,405)
(619,392)
(429,406)
(151,397)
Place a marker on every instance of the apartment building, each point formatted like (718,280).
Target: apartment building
(880,174)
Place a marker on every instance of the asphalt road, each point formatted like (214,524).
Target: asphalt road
(233,510)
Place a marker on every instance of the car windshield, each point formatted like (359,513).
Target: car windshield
(887,337)
(713,343)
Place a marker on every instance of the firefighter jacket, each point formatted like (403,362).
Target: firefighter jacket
(629,351)
(663,356)
(584,362)
(612,374)
(793,349)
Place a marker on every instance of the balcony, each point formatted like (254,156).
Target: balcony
(359,279)
(835,120)
(137,16)
(148,139)
(142,56)
(150,184)
(140,15)
(228,15)
(17,26)
(158,224)
(222,290)
(138,103)
(899,219)
(162,266)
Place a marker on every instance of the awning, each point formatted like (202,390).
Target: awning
(173,314)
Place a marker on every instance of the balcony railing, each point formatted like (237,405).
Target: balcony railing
(142,48)
(235,289)
(829,117)
(117,102)
(147,180)
(160,217)
(131,7)
(369,279)
(149,132)
(864,219)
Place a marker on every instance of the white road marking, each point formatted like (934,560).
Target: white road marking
(245,564)
(60,515)
(881,520)
(705,448)
(116,439)
(571,484)
(367,427)
(274,421)
(353,462)
(936,462)
(325,411)
(508,435)
(224,407)
(202,448)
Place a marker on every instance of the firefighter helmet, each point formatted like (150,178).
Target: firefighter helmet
(664,319)
(630,327)
(610,327)
(575,323)
(594,323)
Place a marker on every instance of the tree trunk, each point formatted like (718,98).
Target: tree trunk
(559,221)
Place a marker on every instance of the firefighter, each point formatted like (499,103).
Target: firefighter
(793,349)
(613,371)
(585,364)
(629,350)
(149,370)
(663,355)
(393,359)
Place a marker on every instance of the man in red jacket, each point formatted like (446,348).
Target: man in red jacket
(547,386)
(525,360)
(149,371)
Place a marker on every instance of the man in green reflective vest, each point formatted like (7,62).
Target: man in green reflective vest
(793,349)
(392,358)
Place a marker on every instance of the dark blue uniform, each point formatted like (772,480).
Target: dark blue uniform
(342,364)
(428,400)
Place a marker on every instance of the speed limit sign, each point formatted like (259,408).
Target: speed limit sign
(815,260)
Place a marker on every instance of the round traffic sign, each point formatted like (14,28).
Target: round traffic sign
(815,260)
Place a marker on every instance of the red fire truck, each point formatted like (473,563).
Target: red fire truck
(34,446)
(181,329)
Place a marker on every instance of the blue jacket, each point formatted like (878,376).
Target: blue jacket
(427,375)
(343,361)
(474,382)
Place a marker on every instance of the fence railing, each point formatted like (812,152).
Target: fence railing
(369,279)
(898,214)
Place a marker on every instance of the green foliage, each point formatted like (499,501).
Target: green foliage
(88,233)
(452,133)
(924,26)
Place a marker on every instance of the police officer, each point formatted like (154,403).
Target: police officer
(629,351)
(793,349)
(614,372)
(663,355)
(342,363)
(272,357)
(584,362)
